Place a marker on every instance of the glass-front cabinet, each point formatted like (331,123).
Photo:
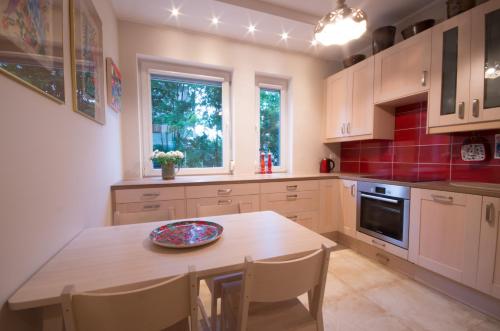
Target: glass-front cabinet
(465,81)
(485,62)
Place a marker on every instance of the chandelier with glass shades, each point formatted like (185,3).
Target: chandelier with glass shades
(341,25)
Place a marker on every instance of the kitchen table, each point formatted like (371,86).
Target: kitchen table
(120,256)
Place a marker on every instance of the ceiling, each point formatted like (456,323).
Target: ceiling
(270,17)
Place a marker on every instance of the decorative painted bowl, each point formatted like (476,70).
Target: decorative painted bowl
(185,234)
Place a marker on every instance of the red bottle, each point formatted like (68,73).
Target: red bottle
(269,163)
(262,163)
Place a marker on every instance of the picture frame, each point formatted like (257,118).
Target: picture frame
(114,85)
(87,60)
(32,45)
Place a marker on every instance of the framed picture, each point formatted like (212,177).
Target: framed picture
(87,62)
(114,85)
(31,45)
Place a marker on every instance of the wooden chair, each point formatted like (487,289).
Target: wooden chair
(267,298)
(219,209)
(170,305)
(214,283)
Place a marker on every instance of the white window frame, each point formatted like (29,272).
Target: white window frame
(148,68)
(282,86)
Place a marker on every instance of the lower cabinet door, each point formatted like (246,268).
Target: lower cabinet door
(488,274)
(248,203)
(293,202)
(444,233)
(308,219)
(348,191)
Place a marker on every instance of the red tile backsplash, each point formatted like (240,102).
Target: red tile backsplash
(415,155)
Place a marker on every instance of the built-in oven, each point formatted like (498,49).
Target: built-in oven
(383,212)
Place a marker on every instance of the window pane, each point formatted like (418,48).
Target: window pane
(270,126)
(449,73)
(187,116)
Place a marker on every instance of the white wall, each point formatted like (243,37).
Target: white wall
(55,172)
(245,60)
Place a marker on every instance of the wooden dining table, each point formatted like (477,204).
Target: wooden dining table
(106,258)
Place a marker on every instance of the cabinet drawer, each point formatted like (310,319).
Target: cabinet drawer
(389,248)
(136,207)
(285,203)
(308,219)
(149,194)
(296,186)
(209,191)
(248,203)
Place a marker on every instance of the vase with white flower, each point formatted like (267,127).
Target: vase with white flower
(168,161)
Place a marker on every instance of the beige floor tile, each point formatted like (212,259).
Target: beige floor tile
(361,295)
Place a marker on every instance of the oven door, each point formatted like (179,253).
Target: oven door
(384,217)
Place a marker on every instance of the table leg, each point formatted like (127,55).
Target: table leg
(53,318)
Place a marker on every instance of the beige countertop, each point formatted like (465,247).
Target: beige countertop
(486,189)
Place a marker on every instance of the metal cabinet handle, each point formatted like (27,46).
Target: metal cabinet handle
(348,127)
(224,202)
(293,218)
(353,192)
(291,187)
(150,207)
(292,197)
(490,213)
(475,107)
(442,198)
(461,110)
(378,243)
(224,191)
(424,78)
(150,195)
(342,129)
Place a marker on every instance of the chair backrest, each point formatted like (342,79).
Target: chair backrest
(279,281)
(144,216)
(219,209)
(154,307)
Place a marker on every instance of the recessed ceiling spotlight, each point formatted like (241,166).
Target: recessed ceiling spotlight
(215,20)
(252,28)
(284,36)
(175,12)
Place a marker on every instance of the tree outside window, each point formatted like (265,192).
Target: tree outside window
(187,116)
(270,123)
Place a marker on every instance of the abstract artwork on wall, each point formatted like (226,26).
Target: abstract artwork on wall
(31,45)
(114,85)
(87,62)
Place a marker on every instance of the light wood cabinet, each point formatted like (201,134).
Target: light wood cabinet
(350,112)
(329,202)
(348,191)
(153,211)
(488,274)
(465,84)
(444,233)
(403,70)
(337,111)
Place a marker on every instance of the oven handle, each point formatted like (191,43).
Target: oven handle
(373,197)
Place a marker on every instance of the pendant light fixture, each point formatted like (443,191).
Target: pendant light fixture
(341,25)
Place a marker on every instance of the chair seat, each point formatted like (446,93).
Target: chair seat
(284,315)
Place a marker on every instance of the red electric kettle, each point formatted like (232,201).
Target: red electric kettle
(326,165)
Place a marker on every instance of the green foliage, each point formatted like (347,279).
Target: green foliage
(270,107)
(187,116)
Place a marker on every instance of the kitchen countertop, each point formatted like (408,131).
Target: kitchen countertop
(485,189)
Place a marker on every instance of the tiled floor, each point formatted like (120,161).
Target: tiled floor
(364,295)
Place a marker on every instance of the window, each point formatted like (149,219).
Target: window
(271,128)
(186,109)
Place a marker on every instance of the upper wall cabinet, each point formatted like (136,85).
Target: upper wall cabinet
(402,71)
(465,82)
(350,114)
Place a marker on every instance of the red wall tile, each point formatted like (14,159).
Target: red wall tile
(415,155)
